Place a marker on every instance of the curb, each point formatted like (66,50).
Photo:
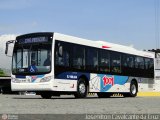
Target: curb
(147,94)
(139,94)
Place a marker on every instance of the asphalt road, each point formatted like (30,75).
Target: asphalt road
(30,105)
(34,104)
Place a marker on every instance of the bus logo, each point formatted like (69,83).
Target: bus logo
(34,77)
(32,69)
(108,80)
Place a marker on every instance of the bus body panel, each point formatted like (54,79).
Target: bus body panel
(97,83)
(53,85)
(112,83)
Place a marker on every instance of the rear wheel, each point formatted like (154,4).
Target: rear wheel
(81,89)
(133,90)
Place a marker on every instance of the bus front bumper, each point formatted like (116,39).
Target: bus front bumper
(31,86)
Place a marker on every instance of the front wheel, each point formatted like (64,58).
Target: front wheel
(81,89)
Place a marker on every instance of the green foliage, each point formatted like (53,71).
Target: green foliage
(2,72)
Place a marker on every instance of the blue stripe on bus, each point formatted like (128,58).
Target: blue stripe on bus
(72,75)
(20,76)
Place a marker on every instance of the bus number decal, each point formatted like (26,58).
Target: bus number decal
(108,80)
(71,77)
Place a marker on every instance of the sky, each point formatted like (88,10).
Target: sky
(126,22)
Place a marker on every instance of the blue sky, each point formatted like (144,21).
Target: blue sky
(127,22)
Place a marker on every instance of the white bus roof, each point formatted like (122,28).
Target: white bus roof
(103,45)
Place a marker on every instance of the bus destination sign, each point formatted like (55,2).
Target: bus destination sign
(33,40)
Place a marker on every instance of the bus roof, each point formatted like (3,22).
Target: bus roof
(103,45)
(92,43)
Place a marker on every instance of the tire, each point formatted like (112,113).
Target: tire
(82,89)
(6,90)
(46,95)
(133,90)
(103,95)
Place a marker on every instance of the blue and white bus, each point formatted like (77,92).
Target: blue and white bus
(52,64)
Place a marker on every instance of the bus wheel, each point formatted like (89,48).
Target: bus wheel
(103,95)
(81,89)
(133,90)
(46,95)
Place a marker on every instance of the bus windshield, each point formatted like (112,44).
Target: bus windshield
(32,58)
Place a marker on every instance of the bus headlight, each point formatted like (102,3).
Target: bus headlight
(46,79)
(14,80)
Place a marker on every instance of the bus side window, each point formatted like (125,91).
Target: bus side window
(104,61)
(59,54)
(139,62)
(62,55)
(130,61)
(78,57)
(91,59)
(147,63)
(66,55)
(116,62)
(151,65)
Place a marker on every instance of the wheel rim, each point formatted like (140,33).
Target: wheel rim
(133,89)
(82,88)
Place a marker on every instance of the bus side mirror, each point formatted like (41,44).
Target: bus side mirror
(6,50)
(7,44)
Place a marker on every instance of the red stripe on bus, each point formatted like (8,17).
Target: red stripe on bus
(105,47)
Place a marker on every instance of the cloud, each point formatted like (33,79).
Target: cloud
(4,39)
(131,45)
(5,62)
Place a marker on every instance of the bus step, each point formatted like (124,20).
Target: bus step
(117,95)
(91,94)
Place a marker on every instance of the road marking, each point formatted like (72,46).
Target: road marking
(148,94)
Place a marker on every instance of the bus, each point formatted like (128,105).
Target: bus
(52,64)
